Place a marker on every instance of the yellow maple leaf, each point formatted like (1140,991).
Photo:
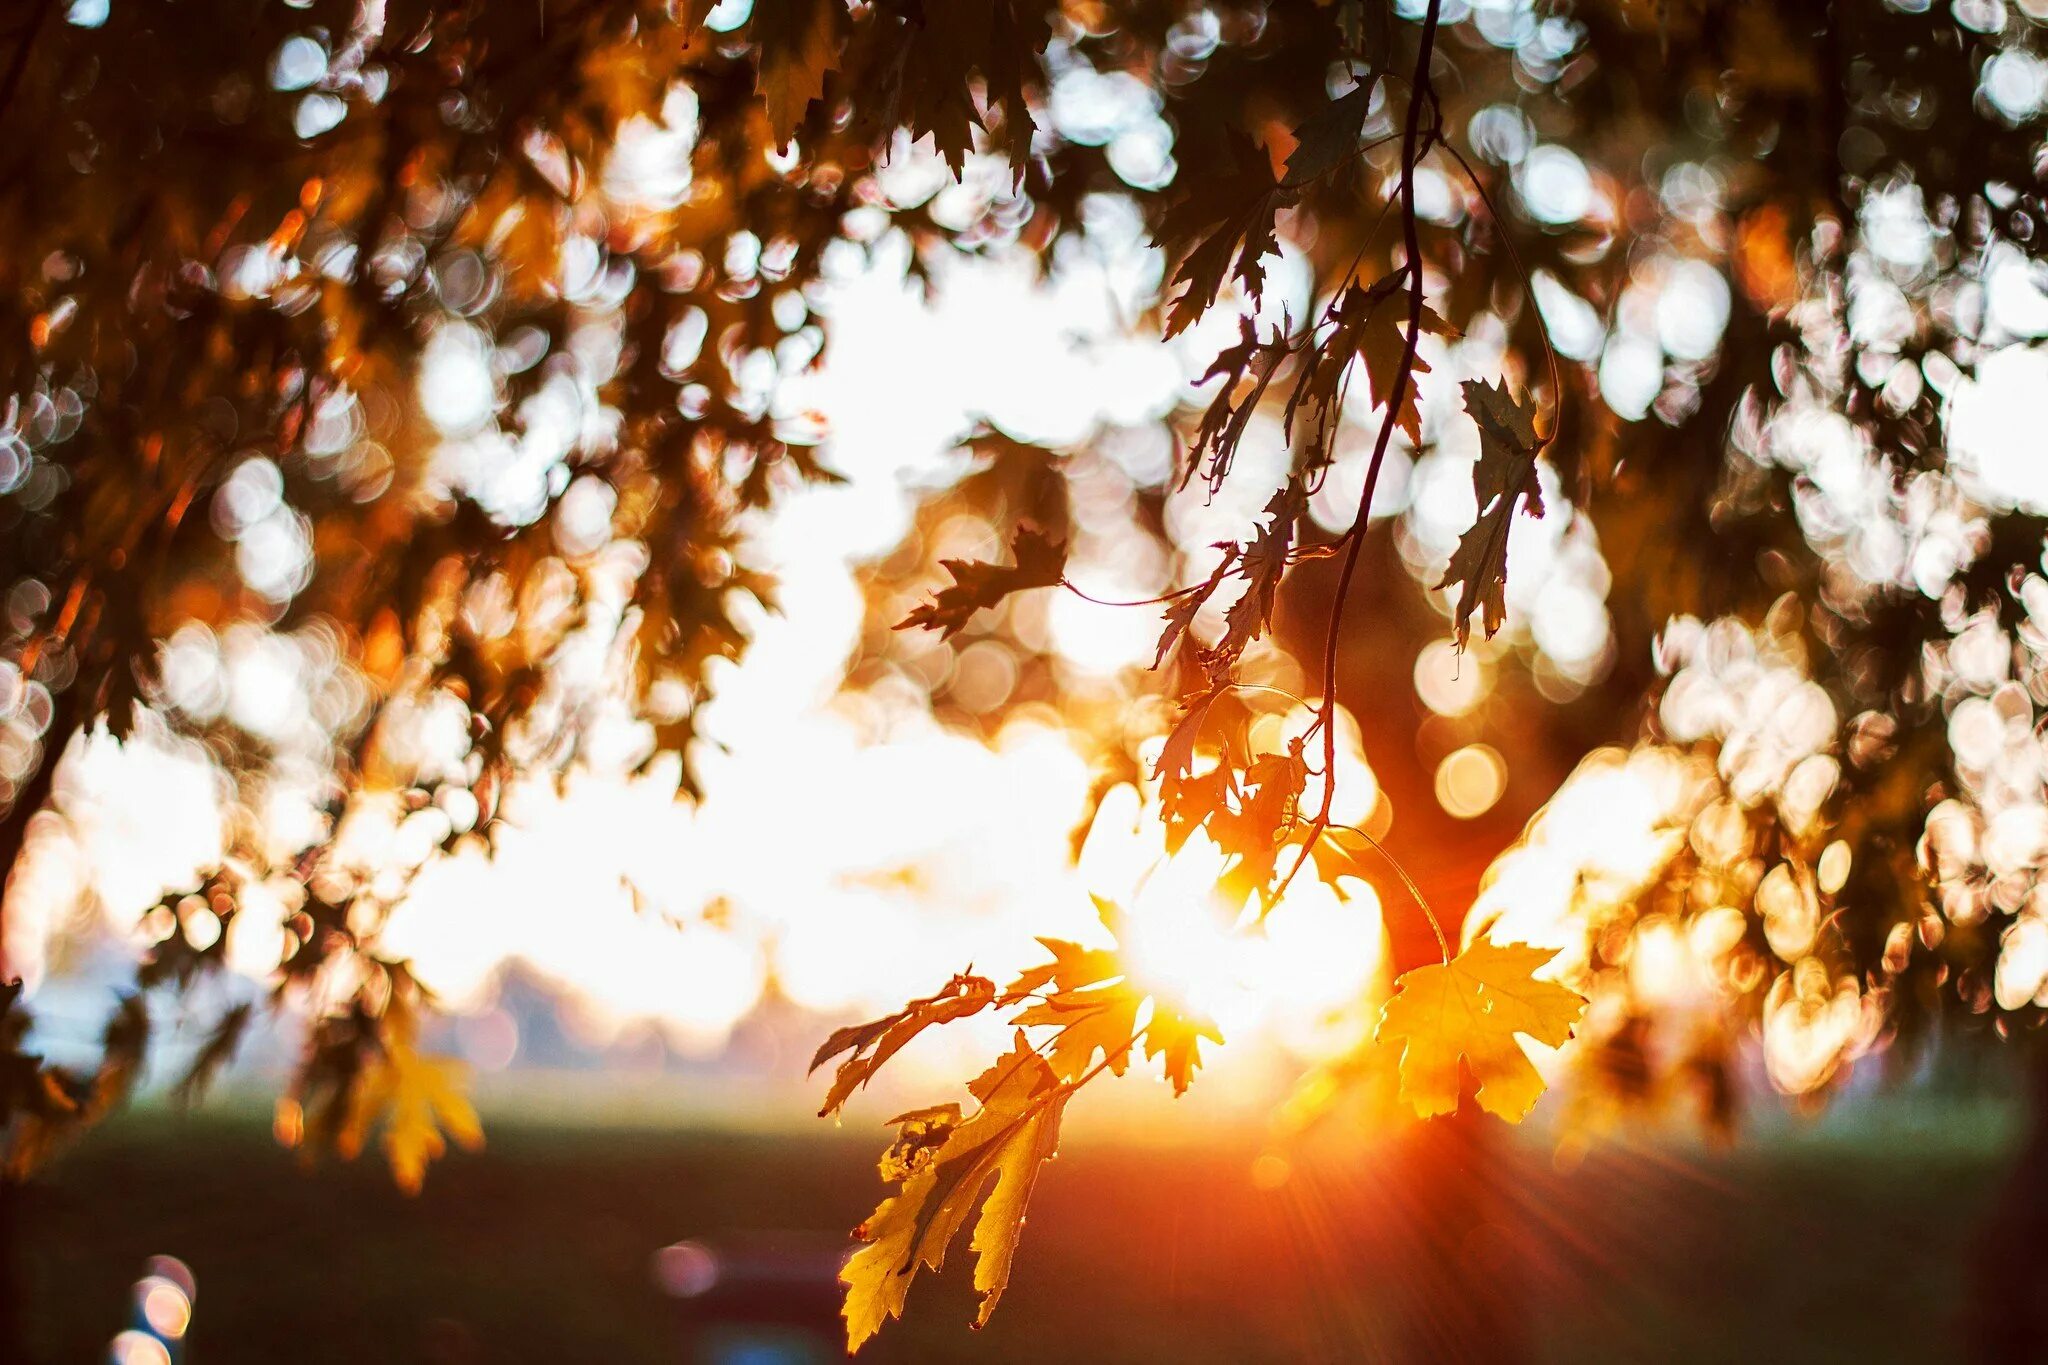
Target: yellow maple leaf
(1177,1037)
(1095,1003)
(1103,1019)
(420,1103)
(1472,1007)
(948,1163)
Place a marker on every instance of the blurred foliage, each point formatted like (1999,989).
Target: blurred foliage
(444,342)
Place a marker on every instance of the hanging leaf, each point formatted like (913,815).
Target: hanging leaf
(930,85)
(1504,475)
(1383,344)
(1329,137)
(875,1042)
(1091,1019)
(1187,799)
(1223,424)
(419,1103)
(1187,803)
(1367,324)
(1181,611)
(1176,760)
(946,1163)
(978,584)
(1263,563)
(1225,216)
(799,43)
(1267,811)
(1473,1007)
(1095,1003)
(222,1041)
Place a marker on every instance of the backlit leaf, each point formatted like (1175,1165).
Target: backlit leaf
(978,584)
(1329,137)
(1472,1007)
(1015,1131)
(1504,475)
(1224,216)
(799,42)
(1181,611)
(1263,563)
(419,1102)
(1223,424)
(930,85)
(875,1042)
(1095,1005)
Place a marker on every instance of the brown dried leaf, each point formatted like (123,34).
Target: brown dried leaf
(1263,563)
(1181,611)
(798,43)
(1504,475)
(1223,423)
(978,584)
(1224,216)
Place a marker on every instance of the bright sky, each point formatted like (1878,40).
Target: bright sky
(849,848)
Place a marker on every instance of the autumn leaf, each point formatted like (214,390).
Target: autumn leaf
(1092,1019)
(1225,215)
(977,584)
(798,42)
(946,1163)
(1383,343)
(1504,475)
(1187,803)
(1473,1007)
(1329,137)
(1223,423)
(48,1104)
(1506,424)
(1176,761)
(919,1136)
(419,1102)
(1181,611)
(1175,1039)
(213,1055)
(1072,968)
(1266,812)
(1094,1003)
(1367,324)
(1187,799)
(1263,562)
(930,86)
(1250,815)
(875,1042)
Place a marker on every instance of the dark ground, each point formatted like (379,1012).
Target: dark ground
(1844,1243)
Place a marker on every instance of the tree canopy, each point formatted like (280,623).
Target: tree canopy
(448,348)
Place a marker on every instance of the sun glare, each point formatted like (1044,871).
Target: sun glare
(922,849)
(1289,978)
